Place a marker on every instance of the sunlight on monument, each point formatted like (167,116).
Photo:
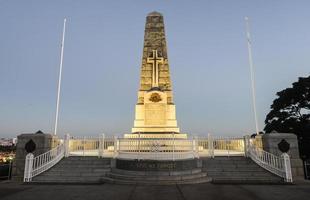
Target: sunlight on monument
(156,151)
(155,125)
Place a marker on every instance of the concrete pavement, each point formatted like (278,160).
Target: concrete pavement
(17,191)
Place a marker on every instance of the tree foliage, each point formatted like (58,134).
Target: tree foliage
(290,111)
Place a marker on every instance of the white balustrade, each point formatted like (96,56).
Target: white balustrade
(278,165)
(200,147)
(174,148)
(157,149)
(36,165)
(220,146)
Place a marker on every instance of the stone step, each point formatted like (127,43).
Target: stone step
(71,162)
(231,166)
(65,174)
(82,166)
(237,170)
(86,158)
(78,170)
(240,176)
(251,169)
(89,158)
(231,158)
(152,173)
(248,180)
(155,178)
(97,170)
(155,182)
(228,161)
(68,179)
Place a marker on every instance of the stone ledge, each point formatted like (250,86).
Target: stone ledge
(157,165)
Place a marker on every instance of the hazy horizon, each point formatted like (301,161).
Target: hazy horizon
(207,53)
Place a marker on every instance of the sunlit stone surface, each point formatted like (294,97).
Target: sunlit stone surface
(155,110)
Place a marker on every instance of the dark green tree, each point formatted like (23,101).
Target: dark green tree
(290,112)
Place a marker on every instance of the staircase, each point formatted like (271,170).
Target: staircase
(238,170)
(98,170)
(119,176)
(76,170)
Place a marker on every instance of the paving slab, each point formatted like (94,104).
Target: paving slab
(18,191)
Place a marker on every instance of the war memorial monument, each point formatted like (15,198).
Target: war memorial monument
(156,152)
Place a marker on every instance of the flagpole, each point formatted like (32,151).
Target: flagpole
(59,78)
(251,72)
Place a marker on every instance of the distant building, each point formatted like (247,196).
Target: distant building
(8,141)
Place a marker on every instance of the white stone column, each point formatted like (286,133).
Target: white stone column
(115,146)
(173,146)
(210,146)
(287,167)
(28,167)
(67,145)
(246,140)
(196,147)
(101,145)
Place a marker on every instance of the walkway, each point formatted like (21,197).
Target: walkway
(16,191)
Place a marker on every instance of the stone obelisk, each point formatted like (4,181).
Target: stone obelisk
(155,110)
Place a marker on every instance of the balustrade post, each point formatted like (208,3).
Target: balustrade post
(28,167)
(139,145)
(193,143)
(84,141)
(287,167)
(246,141)
(196,147)
(173,146)
(101,145)
(66,145)
(115,146)
(210,145)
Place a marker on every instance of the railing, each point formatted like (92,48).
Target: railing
(221,146)
(111,147)
(91,146)
(279,166)
(157,155)
(157,149)
(36,165)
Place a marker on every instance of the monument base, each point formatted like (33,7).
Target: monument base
(157,165)
(156,172)
(156,135)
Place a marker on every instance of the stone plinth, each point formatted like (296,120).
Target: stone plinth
(158,165)
(157,135)
(43,143)
(155,114)
(270,144)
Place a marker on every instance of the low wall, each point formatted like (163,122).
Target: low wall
(270,143)
(43,143)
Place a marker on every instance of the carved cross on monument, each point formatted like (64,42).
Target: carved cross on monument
(155,60)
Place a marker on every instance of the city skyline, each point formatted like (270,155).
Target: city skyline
(102,58)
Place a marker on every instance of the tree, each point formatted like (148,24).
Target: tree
(290,112)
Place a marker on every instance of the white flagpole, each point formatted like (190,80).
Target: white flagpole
(251,71)
(59,78)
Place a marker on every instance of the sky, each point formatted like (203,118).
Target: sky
(207,53)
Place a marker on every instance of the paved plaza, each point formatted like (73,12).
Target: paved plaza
(209,191)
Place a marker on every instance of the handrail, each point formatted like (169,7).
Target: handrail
(157,155)
(278,165)
(36,165)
